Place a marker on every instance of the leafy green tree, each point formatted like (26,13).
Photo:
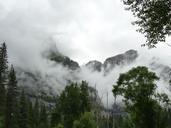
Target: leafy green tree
(11,102)
(138,89)
(153,18)
(3,81)
(86,121)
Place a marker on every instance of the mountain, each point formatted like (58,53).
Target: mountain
(64,60)
(164,71)
(48,84)
(94,65)
(43,84)
(121,59)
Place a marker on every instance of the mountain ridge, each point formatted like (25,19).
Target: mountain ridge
(36,84)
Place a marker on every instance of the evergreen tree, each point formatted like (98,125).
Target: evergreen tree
(3,80)
(85,121)
(56,116)
(30,115)
(85,98)
(11,103)
(59,126)
(23,111)
(73,101)
(70,104)
(36,114)
(43,123)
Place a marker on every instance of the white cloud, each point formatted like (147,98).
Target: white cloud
(82,29)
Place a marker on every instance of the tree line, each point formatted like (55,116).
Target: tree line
(77,106)
(16,109)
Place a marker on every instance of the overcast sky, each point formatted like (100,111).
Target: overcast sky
(81,29)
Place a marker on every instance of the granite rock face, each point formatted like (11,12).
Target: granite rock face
(94,65)
(34,83)
(163,71)
(110,63)
(121,59)
(64,60)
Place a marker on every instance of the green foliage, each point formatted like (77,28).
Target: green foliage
(138,89)
(3,80)
(17,112)
(23,111)
(153,18)
(64,60)
(30,115)
(145,107)
(59,126)
(11,101)
(85,98)
(36,113)
(43,121)
(86,121)
(73,101)
(1,121)
(56,117)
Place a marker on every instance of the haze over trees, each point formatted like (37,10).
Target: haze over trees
(3,82)
(16,109)
(78,104)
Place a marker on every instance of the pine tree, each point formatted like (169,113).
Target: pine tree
(3,80)
(86,121)
(43,123)
(56,115)
(36,113)
(23,112)
(11,103)
(73,101)
(85,98)
(30,115)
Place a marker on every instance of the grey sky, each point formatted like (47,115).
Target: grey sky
(81,29)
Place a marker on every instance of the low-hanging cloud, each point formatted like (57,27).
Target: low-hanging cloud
(82,30)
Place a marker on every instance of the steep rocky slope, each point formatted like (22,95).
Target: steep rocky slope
(121,59)
(49,84)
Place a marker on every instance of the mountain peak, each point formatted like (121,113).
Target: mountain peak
(120,59)
(94,65)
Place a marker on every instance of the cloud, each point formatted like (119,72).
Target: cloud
(83,30)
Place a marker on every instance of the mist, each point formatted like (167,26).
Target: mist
(83,30)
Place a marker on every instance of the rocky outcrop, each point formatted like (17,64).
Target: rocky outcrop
(94,65)
(63,60)
(33,83)
(121,59)
(163,71)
